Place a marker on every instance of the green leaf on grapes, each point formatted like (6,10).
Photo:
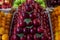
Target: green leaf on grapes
(29,12)
(27,21)
(39,35)
(29,26)
(43,5)
(20,35)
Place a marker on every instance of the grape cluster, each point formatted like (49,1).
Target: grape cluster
(30,23)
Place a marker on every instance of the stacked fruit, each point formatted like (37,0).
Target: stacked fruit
(55,17)
(30,23)
(5,20)
(53,2)
(5,4)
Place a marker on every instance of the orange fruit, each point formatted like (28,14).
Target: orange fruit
(8,23)
(7,26)
(5,37)
(9,15)
(3,14)
(2,30)
(3,24)
(3,18)
(8,20)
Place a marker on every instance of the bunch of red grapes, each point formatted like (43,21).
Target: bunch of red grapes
(30,23)
(53,3)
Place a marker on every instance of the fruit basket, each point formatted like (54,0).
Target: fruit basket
(5,23)
(30,22)
(55,19)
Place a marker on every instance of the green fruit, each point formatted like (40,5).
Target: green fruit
(15,6)
(23,1)
(17,2)
(43,5)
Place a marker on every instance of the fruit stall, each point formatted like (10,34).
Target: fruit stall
(29,19)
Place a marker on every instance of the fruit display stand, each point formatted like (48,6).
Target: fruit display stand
(30,22)
(5,23)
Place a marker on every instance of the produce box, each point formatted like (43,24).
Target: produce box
(5,23)
(30,22)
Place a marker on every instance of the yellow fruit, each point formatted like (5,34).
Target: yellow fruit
(57,35)
(2,30)
(5,37)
